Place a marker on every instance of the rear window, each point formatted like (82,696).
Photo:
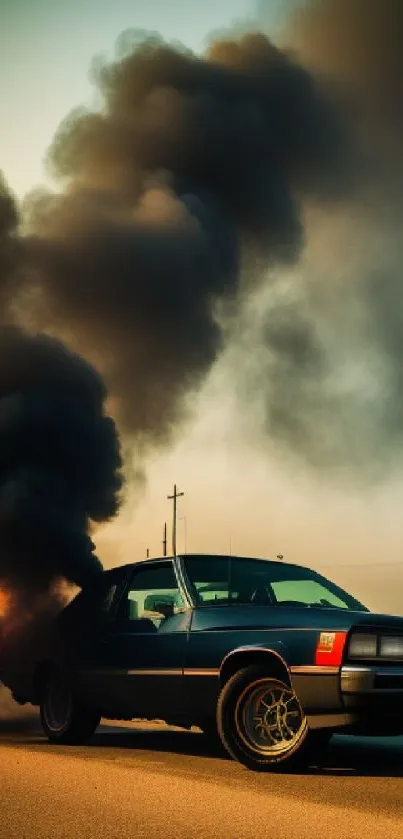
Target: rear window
(220,580)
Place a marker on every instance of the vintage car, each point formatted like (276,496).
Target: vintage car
(270,656)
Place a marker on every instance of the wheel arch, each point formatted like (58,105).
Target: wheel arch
(254,655)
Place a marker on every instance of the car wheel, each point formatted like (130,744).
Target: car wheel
(63,719)
(260,720)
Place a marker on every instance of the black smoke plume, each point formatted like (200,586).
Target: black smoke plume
(59,465)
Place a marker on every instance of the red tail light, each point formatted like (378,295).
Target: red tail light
(329,649)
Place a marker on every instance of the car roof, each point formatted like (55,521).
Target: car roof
(161,559)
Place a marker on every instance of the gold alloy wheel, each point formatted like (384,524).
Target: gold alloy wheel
(269,718)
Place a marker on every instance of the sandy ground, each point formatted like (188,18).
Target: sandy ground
(154,782)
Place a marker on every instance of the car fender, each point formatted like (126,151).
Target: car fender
(277,651)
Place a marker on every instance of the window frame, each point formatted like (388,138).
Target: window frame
(140,567)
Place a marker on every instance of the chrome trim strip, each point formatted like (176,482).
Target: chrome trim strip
(346,669)
(174,671)
(376,670)
(315,670)
(157,672)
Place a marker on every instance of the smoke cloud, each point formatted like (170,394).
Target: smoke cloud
(59,466)
(190,164)
(325,345)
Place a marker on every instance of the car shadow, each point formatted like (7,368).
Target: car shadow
(345,756)
(173,741)
(362,757)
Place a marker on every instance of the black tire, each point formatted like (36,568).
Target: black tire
(63,719)
(272,743)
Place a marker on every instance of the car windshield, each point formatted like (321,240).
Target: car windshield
(221,580)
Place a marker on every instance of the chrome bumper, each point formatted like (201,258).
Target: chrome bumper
(373,681)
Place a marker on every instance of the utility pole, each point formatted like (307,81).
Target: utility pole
(148,553)
(164,541)
(174,498)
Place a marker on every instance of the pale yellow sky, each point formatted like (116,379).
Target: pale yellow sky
(46,50)
(241,499)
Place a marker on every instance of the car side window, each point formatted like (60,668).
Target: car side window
(210,577)
(153,597)
(306,592)
(219,581)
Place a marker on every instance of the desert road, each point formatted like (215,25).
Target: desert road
(153,782)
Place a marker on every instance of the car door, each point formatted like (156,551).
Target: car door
(140,658)
(81,627)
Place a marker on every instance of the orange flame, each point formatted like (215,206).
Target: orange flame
(4,603)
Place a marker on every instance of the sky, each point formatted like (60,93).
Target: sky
(46,50)
(237,498)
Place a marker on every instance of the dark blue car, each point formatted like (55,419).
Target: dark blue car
(271,656)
